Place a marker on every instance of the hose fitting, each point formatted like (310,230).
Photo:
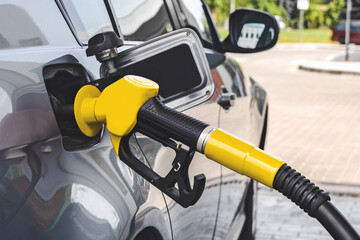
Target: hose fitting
(300,190)
(315,202)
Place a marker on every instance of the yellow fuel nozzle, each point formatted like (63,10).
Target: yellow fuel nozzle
(242,157)
(117,106)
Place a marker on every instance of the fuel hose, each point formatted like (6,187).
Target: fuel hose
(245,159)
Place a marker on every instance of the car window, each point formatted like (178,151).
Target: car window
(355,27)
(89,17)
(26,24)
(192,15)
(342,25)
(141,20)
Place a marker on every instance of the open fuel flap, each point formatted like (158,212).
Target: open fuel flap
(63,78)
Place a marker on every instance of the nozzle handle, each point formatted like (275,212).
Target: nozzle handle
(183,193)
(162,121)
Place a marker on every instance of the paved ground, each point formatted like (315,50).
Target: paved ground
(289,222)
(314,125)
(314,118)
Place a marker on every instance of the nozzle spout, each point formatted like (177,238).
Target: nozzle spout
(242,157)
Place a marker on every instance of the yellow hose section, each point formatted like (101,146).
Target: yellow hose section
(242,157)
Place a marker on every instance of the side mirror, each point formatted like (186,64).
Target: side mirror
(251,31)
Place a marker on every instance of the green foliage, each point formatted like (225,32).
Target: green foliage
(321,35)
(221,8)
(319,14)
(269,6)
(244,4)
(332,13)
(224,5)
(314,17)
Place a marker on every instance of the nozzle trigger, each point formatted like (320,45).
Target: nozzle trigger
(183,194)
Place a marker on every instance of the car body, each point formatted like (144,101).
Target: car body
(55,185)
(338,32)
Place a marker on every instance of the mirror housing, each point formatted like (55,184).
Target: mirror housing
(251,31)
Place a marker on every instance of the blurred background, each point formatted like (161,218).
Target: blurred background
(312,77)
(319,19)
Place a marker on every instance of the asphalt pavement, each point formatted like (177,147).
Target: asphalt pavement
(313,116)
(280,219)
(314,125)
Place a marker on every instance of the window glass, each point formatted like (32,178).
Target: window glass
(193,15)
(89,17)
(340,26)
(141,20)
(355,27)
(26,24)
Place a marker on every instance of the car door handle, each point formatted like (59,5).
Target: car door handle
(226,100)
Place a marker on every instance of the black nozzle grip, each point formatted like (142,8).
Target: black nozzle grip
(160,120)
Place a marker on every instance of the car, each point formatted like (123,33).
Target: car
(338,32)
(56,183)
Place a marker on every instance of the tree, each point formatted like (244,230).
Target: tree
(270,6)
(321,12)
(290,8)
(332,13)
(220,9)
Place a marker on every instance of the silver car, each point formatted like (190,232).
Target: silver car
(56,183)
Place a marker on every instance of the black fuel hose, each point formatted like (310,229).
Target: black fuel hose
(334,222)
(315,202)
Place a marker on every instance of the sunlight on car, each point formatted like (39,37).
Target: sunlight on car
(88,17)
(141,20)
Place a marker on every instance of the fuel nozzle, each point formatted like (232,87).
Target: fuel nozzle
(104,46)
(131,104)
(117,106)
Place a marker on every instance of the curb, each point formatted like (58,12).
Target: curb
(331,67)
(341,190)
(334,189)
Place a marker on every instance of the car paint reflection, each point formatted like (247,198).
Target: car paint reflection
(96,205)
(5,103)
(82,190)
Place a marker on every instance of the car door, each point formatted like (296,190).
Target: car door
(55,183)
